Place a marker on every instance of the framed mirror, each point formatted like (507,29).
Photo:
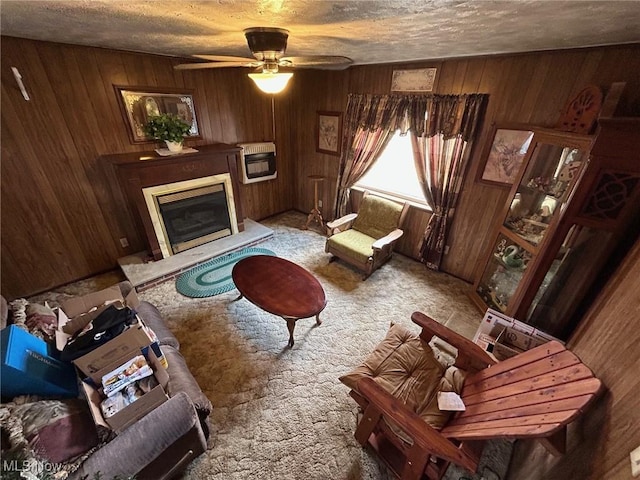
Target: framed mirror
(140,103)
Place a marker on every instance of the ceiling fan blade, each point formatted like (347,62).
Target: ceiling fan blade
(224,58)
(198,66)
(325,62)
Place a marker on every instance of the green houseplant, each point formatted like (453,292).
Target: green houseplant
(167,127)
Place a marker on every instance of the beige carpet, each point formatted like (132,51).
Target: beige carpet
(281,413)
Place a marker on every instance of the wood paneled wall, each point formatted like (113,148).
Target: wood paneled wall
(525,88)
(608,341)
(62,211)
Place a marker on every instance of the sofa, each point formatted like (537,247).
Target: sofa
(162,443)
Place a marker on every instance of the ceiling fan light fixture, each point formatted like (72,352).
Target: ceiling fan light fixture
(271,82)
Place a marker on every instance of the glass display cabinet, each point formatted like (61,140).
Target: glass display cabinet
(571,203)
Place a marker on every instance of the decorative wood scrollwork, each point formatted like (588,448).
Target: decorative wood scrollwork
(610,195)
(582,111)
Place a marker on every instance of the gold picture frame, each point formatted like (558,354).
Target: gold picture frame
(413,80)
(329,132)
(139,103)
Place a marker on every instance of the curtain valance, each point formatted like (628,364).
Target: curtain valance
(424,115)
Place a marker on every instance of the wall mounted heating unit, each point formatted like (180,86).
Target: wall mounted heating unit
(257,162)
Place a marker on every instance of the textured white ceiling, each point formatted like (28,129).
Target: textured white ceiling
(368,31)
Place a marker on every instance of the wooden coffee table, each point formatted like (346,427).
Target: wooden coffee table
(280,287)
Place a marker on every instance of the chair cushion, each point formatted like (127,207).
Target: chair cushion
(406,367)
(352,245)
(377,217)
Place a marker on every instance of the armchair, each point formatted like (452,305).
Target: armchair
(366,239)
(532,395)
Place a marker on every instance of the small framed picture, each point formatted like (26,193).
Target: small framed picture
(415,80)
(328,132)
(503,156)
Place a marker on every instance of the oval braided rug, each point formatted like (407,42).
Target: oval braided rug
(214,277)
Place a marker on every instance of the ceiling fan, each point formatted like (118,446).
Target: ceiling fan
(268,46)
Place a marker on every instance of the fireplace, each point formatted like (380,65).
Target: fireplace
(189,213)
(164,194)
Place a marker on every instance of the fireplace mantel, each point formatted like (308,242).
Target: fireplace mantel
(140,170)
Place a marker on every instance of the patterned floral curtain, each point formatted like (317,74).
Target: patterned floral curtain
(370,121)
(441,148)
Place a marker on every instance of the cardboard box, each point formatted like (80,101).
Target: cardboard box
(76,312)
(29,367)
(79,322)
(119,349)
(486,342)
(75,306)
(516,336)
(80,310)
(134,411)
(511,342)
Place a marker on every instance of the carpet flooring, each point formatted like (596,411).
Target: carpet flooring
(281,413)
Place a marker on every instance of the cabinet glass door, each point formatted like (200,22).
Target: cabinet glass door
(543,190)
(565,284)
(503,273)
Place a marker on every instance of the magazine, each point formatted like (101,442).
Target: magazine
(135,369)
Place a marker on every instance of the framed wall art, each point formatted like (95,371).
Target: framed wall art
(140,103)
(415,80)
(504,154)
(328,132)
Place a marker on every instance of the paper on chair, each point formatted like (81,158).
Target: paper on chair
(450,401)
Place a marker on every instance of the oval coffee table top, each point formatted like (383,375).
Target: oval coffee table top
(279,286)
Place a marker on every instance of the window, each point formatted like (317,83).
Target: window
(394,173)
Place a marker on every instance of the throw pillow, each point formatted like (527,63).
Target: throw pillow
(60,432)
(38,320)
(41,320)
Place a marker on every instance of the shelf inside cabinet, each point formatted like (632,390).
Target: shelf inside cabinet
(519,239)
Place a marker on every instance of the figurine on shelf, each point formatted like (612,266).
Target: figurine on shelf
(543,215)
(511,257)
(542,184)
(517,209)
(497,302)
(565,177)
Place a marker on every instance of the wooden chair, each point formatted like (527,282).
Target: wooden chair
(532,395)
(366,239)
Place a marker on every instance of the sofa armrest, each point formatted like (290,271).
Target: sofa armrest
(340,224)
(181,380)
(144,441)
(153,319)
(470,356)
(387,239)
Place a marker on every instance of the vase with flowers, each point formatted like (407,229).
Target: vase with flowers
(167,127)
